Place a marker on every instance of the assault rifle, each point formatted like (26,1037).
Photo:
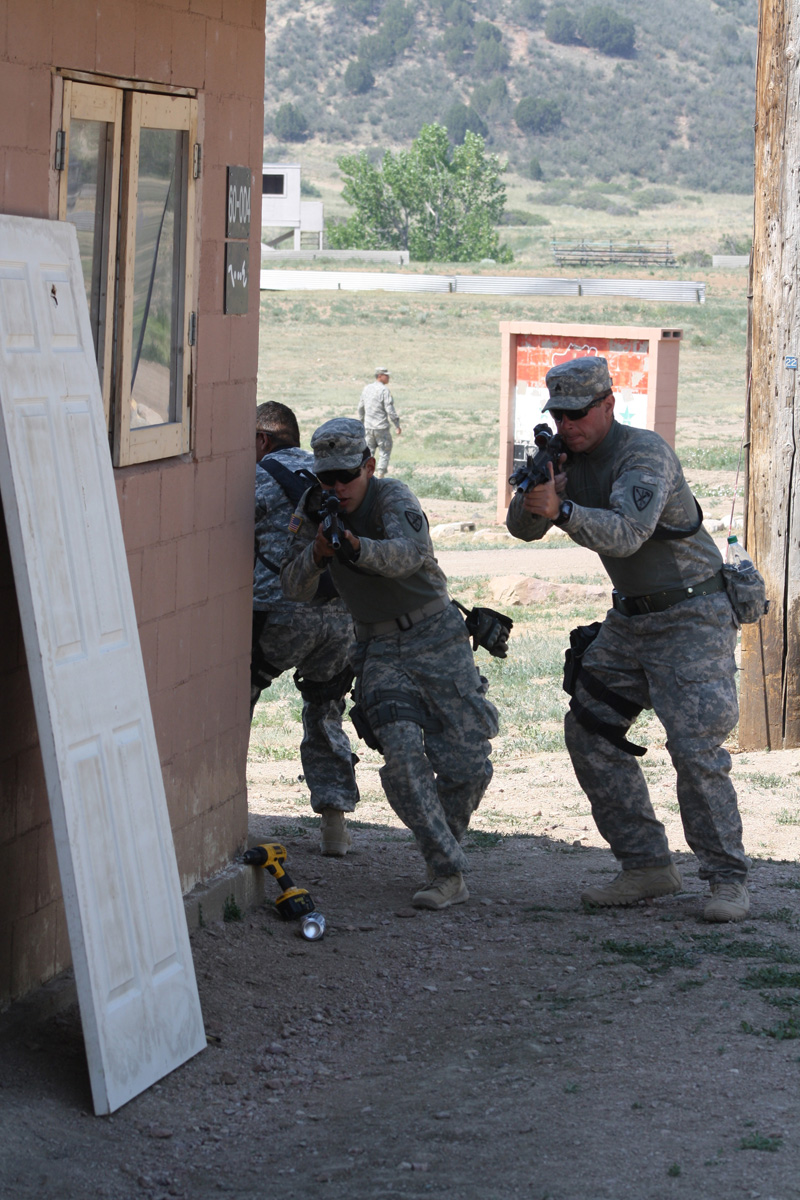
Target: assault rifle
(332,527)
(550,447)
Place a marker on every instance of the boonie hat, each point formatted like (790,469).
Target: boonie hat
(574,384)
(338,445)
(382,371)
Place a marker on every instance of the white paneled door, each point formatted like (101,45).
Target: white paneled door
(136,984)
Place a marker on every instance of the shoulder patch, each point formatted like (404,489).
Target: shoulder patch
(414,519)
(642,497)
(296,522)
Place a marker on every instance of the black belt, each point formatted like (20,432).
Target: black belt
(634,606)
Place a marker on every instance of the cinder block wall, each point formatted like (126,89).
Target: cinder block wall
(187,523)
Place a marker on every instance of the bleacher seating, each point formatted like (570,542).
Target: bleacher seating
(638,254)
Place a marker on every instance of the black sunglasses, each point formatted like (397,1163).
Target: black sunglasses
(575,414)
(329,478)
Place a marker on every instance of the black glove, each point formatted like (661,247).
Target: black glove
(489,629)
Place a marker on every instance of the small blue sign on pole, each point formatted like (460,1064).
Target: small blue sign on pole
(790,362)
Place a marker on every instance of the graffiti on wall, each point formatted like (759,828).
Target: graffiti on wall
(628,363)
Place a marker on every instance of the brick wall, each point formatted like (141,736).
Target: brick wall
(187,523)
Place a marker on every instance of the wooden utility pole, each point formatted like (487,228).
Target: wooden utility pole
(770,709)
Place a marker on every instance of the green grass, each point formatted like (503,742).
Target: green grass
(758,1141)
(653,956)
(721,457)
(730,947)
(482,839)
(771,977)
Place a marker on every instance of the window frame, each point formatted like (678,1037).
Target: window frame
(90,102)
(129,108)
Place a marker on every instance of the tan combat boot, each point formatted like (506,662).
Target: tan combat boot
(643,883)
(441,892)
(729,901)
(336,839)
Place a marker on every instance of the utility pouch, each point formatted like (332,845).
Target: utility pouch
(747,593)
(321,691)
(580,640)
(363,728)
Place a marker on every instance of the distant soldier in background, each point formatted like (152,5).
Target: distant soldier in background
(314,637)
(377,413)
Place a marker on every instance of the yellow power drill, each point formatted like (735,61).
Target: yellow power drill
(293,901)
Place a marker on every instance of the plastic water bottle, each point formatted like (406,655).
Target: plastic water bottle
(737,556)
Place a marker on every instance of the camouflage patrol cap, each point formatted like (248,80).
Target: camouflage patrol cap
(382,371)
(576,383)
(338,445)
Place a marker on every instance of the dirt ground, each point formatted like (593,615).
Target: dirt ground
(512,1046)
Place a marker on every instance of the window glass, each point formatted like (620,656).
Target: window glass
(86,181)
(157,349)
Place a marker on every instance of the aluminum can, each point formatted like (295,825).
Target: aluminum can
(312,927)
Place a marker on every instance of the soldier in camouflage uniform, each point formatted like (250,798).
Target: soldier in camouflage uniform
(667,644)
(375,410)
(316,638)
(421,697)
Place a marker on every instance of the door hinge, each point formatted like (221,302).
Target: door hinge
(61,149)
(192,328)
(197,155)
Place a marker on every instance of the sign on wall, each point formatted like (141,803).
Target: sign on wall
(237,250)
(237,223)
(536,354)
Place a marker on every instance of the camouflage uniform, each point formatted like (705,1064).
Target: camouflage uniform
(679,661)
(376,410)
(417,681)
(315,638)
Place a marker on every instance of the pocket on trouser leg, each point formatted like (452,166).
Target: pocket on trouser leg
(704,704)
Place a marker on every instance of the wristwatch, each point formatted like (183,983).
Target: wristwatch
(564,513)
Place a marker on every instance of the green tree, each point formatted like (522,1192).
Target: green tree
(560,26)
(460,118)
(529,12)
(605,30)
(290,124)
(395,34)
(358,78)
(533,114)
(436,201)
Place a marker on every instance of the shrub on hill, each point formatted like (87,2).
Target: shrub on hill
(290,124)
(358,78)
(605,30)
(490,57)
(359,10)
(561,26)
(460,119)
(490,98)
(395,35)
(529,12)
(534,114)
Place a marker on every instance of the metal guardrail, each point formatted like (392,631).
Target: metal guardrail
(664,290)
(399,258)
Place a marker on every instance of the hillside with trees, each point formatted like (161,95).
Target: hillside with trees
(658,90)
